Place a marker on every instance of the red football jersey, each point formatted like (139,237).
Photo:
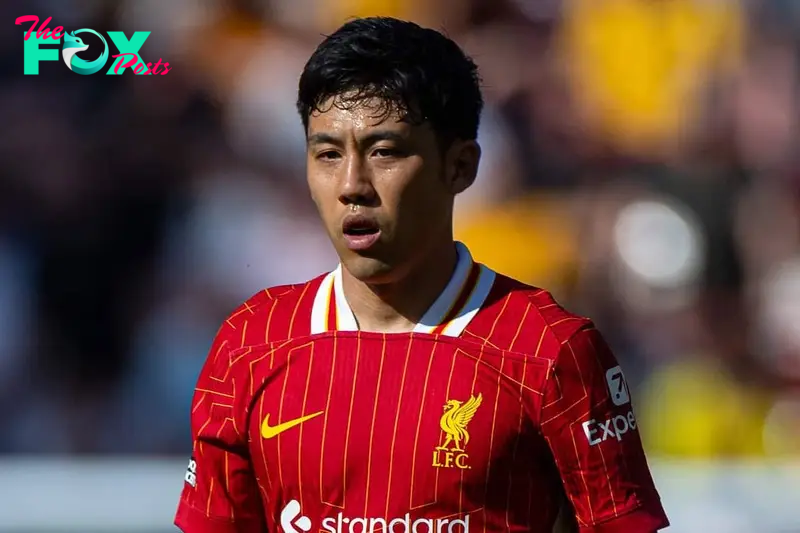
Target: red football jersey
(497,403)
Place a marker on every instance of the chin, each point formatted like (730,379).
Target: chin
(370,270)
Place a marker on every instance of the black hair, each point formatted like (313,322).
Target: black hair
(417,72)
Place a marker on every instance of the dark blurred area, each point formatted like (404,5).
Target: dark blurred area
(639,161)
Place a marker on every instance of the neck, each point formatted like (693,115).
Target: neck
(397,307)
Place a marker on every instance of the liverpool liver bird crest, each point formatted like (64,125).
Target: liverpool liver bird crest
(455,419)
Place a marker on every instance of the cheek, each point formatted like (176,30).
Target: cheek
(418,209)
(320,192)
(423,194)
(417,181)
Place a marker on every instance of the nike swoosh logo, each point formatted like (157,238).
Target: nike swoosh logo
(269,432)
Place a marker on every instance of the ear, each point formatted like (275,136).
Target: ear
(461,165)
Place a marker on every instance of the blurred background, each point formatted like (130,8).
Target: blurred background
(640,161)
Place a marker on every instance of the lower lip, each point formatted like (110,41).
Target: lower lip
(359,243)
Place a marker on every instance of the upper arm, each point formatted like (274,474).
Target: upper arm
(590,427)
(220,492)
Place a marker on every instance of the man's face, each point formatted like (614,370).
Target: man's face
(383,188)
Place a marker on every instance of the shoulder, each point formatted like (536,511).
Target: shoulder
(271,315)
(526,319)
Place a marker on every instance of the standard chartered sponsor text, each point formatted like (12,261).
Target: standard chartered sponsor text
(342,524)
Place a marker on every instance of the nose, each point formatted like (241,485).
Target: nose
(356,183)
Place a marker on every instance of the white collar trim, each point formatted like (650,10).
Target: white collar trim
(467,289)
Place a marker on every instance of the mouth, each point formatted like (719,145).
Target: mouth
(360,232)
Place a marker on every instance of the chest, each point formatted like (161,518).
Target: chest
(393,429)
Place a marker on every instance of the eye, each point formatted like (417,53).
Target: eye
(328,155)
(386,152)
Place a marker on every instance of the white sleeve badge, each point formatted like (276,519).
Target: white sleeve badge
(191,473)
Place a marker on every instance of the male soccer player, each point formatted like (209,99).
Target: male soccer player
(411,389)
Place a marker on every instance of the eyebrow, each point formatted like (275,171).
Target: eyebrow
(367,140)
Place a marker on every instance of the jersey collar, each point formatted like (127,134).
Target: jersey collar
(459,302)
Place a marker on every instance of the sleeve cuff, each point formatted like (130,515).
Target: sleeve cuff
(641,520)
(191,520)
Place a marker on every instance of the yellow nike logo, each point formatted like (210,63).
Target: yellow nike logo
(268,431)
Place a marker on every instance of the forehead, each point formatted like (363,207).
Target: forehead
(338,116)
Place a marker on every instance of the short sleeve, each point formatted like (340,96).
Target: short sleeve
(590,427)
(220,492)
